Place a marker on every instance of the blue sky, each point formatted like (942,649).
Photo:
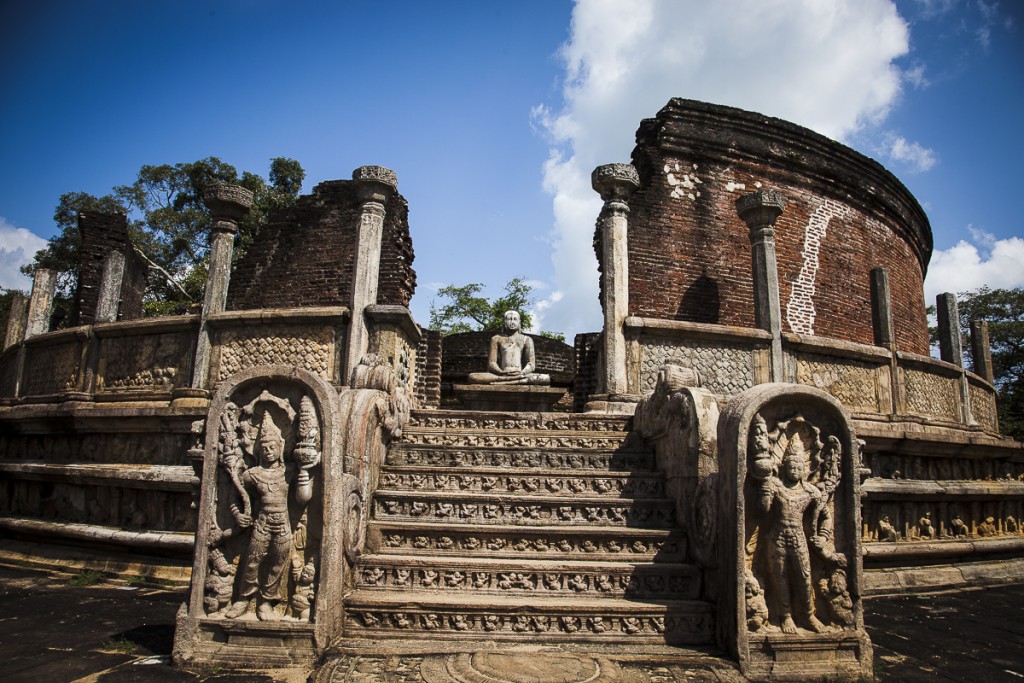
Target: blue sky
(494,113)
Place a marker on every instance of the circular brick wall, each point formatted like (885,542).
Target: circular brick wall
(689,253)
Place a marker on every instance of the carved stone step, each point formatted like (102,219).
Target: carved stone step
(536,457)
(615,544)
(399,614)
(469,508)
(555,482)
(545,577)
(467,420)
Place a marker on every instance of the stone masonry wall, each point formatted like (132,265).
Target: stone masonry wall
(304,255)
(689,252)
(428,369)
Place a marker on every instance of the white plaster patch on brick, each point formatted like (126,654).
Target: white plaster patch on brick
(732,187)
(800,308)
(758,184)
(682,184)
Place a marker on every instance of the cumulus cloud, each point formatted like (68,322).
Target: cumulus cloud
(17,247)
(916,157)
(997,263)
(828,65)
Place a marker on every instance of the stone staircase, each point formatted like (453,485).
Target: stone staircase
(532,528)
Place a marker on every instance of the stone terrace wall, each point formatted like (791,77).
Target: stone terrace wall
(428,369)
(689,252)
(103,233)
(304,255)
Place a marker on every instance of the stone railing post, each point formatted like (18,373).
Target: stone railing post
(40,306)
(759,210)
(227,204)
(375,184)
(981,350)
(951,347)
(615,183)
(109,300)
(16,320)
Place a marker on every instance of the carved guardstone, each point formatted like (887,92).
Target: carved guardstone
(789,539)
(264,591)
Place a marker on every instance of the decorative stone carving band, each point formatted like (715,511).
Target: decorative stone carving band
(760,209)
(375,183)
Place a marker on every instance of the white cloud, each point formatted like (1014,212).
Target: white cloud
(999,264)
(17,247)
(827,65)
(918,158)
(915,76)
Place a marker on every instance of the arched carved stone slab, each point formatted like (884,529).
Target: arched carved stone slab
(271,501)
(789,542)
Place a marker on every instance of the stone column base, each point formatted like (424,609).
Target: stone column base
(516,398)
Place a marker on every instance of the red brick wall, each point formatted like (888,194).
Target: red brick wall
(101,234)
(689,254)
(304,255)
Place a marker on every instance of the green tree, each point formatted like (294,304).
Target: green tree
(466,311)
(1004,311)
(169,223)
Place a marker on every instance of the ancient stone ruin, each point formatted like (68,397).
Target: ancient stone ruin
(755,440)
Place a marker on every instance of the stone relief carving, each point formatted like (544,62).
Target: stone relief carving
(264,541)
(931,395)
(854,384)
(143,362)
(52,369)
(793,473)
(724,369)
(302,346)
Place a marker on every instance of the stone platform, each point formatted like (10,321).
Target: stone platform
(508,397)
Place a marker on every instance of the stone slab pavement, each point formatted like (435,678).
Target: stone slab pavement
(59,628)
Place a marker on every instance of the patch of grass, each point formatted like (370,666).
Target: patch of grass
(135,580)
(121,645)
(86,577)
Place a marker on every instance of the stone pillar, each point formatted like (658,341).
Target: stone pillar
(375,184)
(109,299)
(759,210)
(881,309)
(41,305)
(981,351)
(16,320)
(615,183)
(227,204)
(950,345)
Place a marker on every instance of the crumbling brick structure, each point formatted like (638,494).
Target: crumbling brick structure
(103,233)
(689,252)
(304,255)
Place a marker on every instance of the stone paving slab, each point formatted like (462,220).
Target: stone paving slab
(54,631)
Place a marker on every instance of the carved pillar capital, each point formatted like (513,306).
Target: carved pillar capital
(759,211)
(228,204)
(375,183)
(615,183)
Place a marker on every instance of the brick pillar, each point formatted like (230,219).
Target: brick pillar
(109,300)
(950,344)
(40,306)
(615,183)
(227,204)
(374,184)
(981,351)
(759,210)
(16,320)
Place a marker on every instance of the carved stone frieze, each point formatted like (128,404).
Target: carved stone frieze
(854,384)
(681,627)
(310,347)
(613,485)
(723,368)
(52,369)
(625,580)
(567,423)
(536,511)
(668,546)
(143,362)
(983,407)
(931,395)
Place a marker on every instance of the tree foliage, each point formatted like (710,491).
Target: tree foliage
(1004,311)
(169,223)
(467,311)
